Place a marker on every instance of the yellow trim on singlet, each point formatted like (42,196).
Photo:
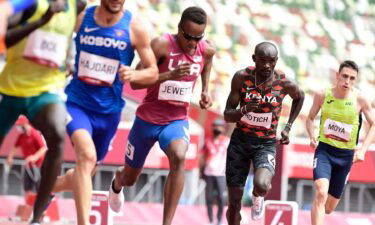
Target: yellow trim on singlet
(24,78)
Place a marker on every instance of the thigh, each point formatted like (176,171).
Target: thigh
(339,176)
(322,167)
(264,156)
(10,109)
(77,119)
(237,163)
(104,130)
(176,130)
(37,103)
(142,137)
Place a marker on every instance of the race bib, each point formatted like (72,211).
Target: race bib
(263,120)
(337,130)
(176,91)
(46,48)
(97,70)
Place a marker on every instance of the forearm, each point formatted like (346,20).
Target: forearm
(144,78)
(16,34)
(40,153)
(232,115)
(295,109)
(310,128)
(369,138)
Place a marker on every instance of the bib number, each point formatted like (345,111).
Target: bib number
(97,70)
(260,120)
(337,130)
(46,48)
(176,91)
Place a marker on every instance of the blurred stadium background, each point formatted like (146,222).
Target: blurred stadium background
(313,38)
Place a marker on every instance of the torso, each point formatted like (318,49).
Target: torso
(172,95)
(96,85)
(340,120)
(263,121)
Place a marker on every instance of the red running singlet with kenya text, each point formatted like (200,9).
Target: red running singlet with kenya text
(262,123)
(170,100)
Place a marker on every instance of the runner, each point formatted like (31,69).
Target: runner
(33,74)
(106,39)
(182,58)
(259,91)
(340,122)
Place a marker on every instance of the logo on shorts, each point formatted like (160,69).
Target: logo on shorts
(271,160)
(315,162)
(130,150)
(68,118)
(330,101)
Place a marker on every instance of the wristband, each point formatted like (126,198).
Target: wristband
(288,125)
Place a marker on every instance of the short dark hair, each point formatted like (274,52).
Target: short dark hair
(349,64)
(194,14)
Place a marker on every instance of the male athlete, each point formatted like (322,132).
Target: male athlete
(8,8)
(340,122)
(259,91)
(162,116)
(33,74)
(107,36)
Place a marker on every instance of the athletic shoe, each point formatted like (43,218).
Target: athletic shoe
(257,209)
(116,199)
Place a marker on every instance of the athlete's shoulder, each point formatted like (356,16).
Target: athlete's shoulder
(210,49)
(160,46)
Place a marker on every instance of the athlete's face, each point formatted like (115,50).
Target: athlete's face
(265,63)
(189,34)
(346,78)
(113,6)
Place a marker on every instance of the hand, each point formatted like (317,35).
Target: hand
(313,143)
(69,70)
(125,73)
(285,136)
(10,161)
(359,155)
(181,70)
(54,7)
(30,159)
(205,101)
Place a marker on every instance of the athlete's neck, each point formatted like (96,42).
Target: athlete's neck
(262,79)
(105,18)
(340,93)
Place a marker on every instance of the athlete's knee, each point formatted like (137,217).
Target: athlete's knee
(54,136)
(177,159)
(262,186)
(127,179)
(86,160)
(329,209)
(321,195)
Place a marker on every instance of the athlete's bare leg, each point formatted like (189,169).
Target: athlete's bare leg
(50,121)
(234,205)
(320,199)
(331,204)
(82,184)
(176,178)
(262,182)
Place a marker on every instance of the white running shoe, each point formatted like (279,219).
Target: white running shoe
(116,200)
(257,210)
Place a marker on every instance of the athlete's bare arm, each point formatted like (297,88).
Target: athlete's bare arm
(206,101)
(315,108)
(148,75)
(231,113)
(365,108)
(298,97)
(16,34)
